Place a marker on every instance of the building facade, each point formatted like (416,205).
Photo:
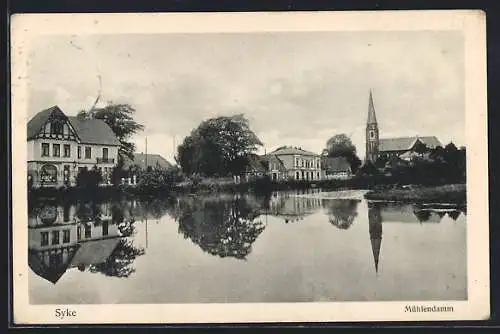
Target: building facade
(296,164)
(401,147)
(60,146)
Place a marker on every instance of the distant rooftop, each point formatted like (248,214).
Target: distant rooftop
(153,160)
(406,143)
(289,150)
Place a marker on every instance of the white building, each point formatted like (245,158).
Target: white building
(60,146)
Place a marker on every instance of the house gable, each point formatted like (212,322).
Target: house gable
(51,123)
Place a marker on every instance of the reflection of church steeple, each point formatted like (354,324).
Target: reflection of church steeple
(375,228)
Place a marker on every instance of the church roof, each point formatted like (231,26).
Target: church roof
(372,119)
(406,143)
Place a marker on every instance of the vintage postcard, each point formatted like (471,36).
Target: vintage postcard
(249,167)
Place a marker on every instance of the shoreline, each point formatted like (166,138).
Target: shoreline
(443,194)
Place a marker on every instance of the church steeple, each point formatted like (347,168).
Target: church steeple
(372,119)
(372,135)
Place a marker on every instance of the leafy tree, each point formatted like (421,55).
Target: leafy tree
(220,228)
(120,118)
(218,147)
(342,212)
(341,146)
(119,263)
(420,147)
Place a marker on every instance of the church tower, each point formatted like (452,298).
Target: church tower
(372,137)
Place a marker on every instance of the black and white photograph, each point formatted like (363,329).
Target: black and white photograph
(249,167)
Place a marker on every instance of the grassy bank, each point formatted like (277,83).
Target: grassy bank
(451,193)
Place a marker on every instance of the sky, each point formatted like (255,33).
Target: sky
(296,88)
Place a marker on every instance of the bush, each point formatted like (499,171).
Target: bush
(89,179)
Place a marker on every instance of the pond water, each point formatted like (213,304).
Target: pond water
(285,247)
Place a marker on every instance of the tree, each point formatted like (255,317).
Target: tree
(120,118)
(342,212)
(220,228)
(341,146)
(218,147)
(420,148)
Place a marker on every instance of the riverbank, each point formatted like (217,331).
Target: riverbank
(450,193)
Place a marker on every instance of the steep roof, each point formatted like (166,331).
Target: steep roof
(90,131)
(335,164)
(372,119)
(153,160)
(287,150)
(93,131)
(36,122)
(406,143)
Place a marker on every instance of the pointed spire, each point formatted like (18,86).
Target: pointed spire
(376,243)
(372,119)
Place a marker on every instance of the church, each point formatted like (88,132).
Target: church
(402,147)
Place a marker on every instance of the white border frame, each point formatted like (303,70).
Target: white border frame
(24,27)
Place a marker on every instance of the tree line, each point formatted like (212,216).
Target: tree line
(223,146)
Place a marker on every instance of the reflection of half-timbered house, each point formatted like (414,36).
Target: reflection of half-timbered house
(58,240)
(60,146)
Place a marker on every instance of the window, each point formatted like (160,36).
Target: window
(66,209)
(56,150)
(105,230)
(104,153)
(79,233)
(56,128)
(55,237)
(67,150)
(297,175)
(79,153)
(88,152)
(88,231)
(65,236)
(56,259)
(318,175)
(296,162)
(45,238)
(372,134)
(48,174)
(45,150)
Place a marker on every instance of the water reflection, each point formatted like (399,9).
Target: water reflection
(221,228)
(375,230)
(99,237)
(342,212)
(84,235)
